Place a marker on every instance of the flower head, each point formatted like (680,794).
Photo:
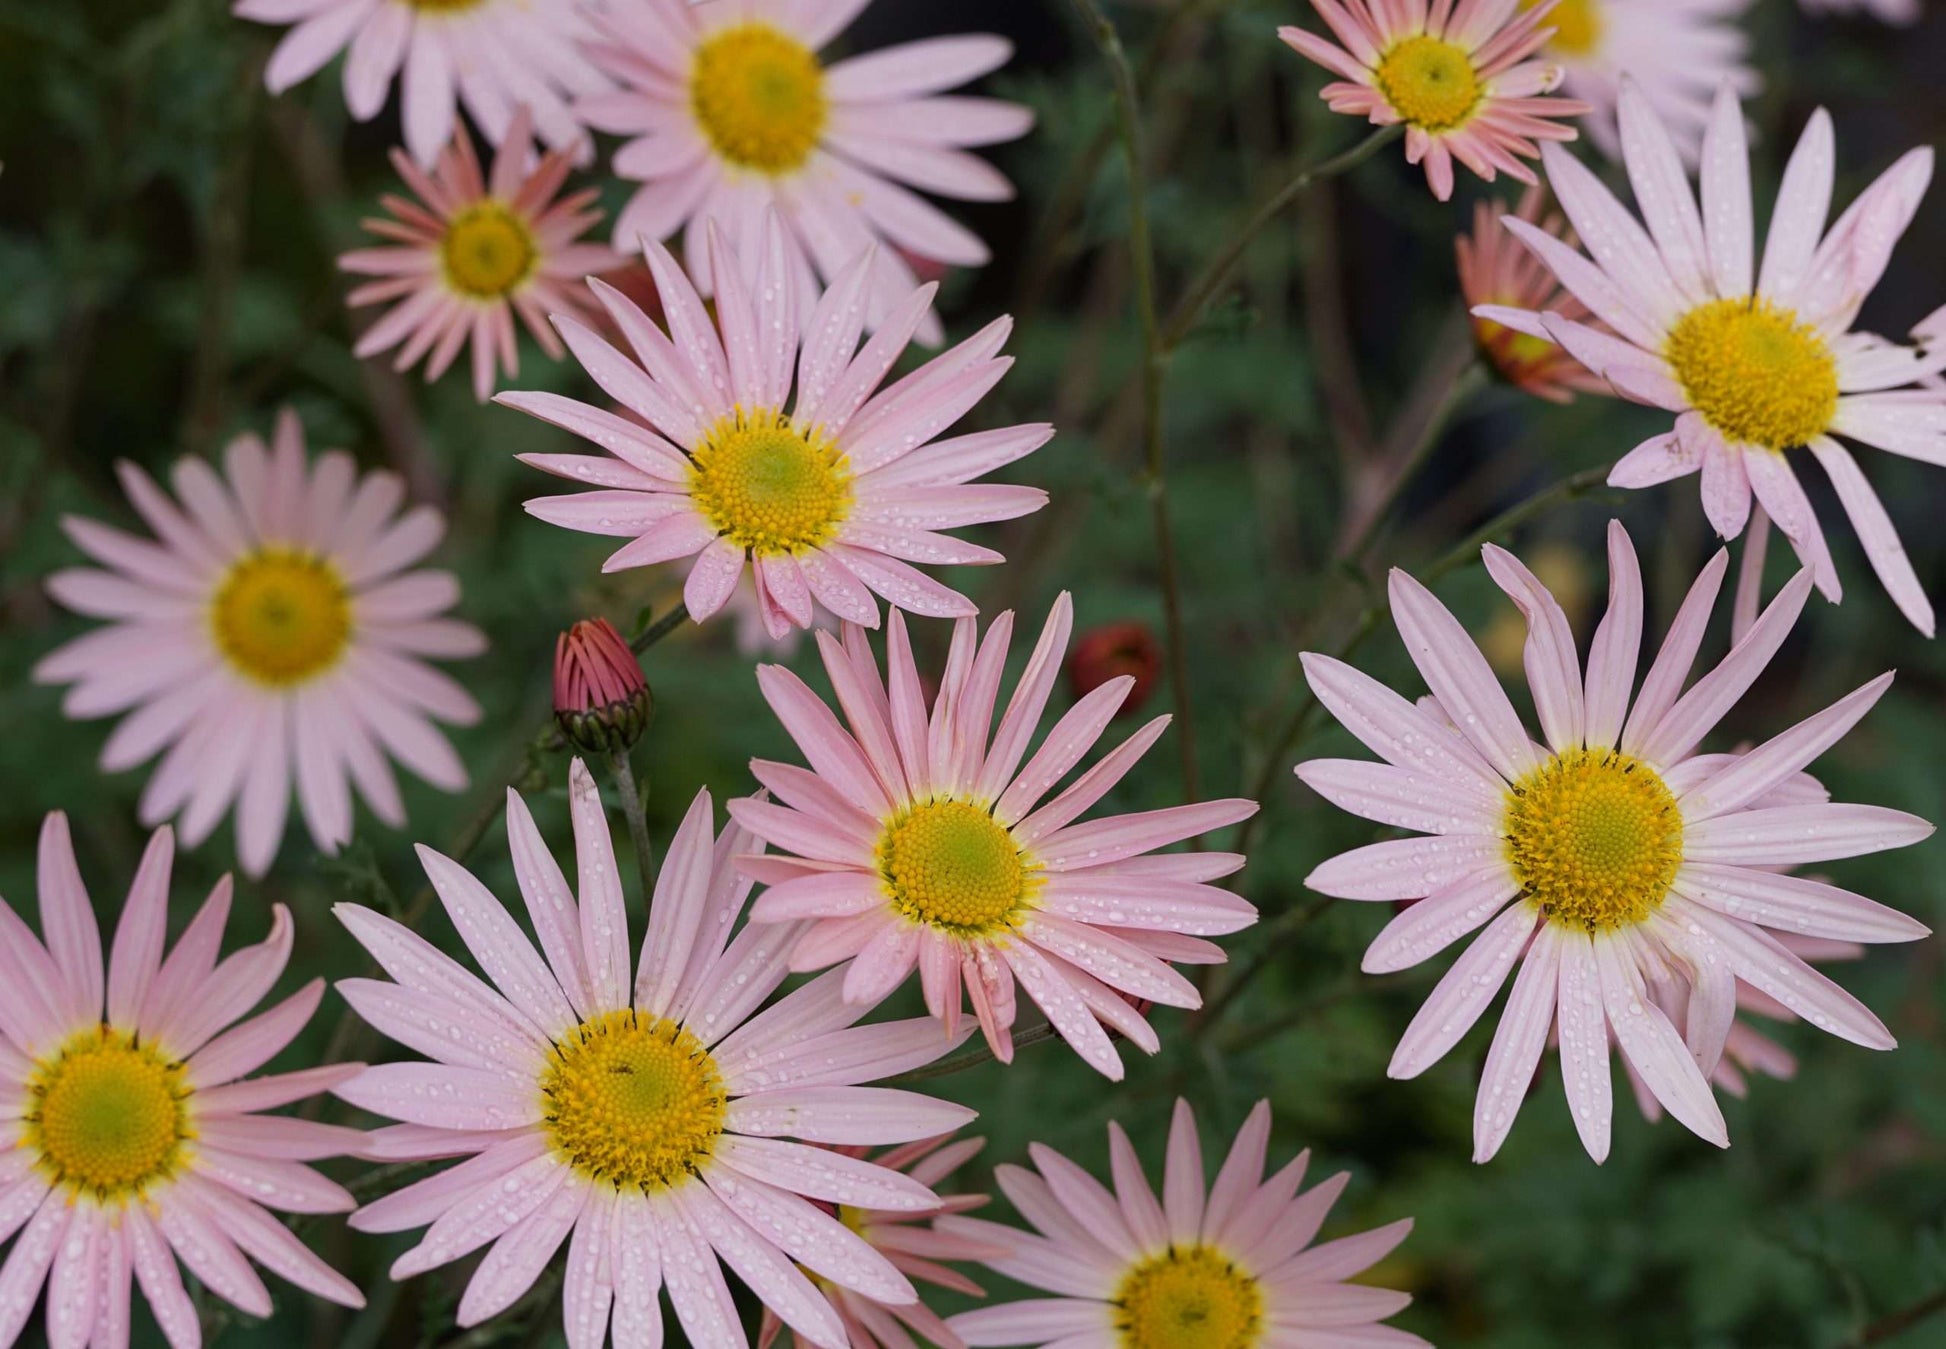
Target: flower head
(270,635)
(921,841)
(1227,1267)
(1678,53)
(913,1242)
(735,114)
(600,697)
(830,493)
(1458,78)
(1493,270)
(1622,871)
(493,56)
(647,1122)
(1111,650)
(1753,361)
(133,1138)
(473,251)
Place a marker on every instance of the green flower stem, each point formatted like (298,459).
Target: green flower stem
(622,769)
(972,1058)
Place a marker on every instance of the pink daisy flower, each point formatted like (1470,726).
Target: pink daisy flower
(270,635)
(472,252)
(646,1122)
(1632,879)
(1494,270)
(918,840)
(829,495)
(1230,1266)
(493,56)
(914,1249)
(132,1137)
(734,115)
(1457,76)
(1678,52)
(1752,361)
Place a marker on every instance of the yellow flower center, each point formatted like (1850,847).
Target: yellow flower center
(768,486)
(1595,838)
(1755,373)
(106,1115)
(633,1100)
(1430,83)
(759,96)
(952,866)
(488,251)
(282,616)
(1189,1297)
(1577,26)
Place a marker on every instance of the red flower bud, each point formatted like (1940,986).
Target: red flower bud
(1116,649)
(601,700)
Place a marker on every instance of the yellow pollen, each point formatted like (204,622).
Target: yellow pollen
(952,866)
(1755,373)
(1188,1297)
(768,486)
(1577,26)
(1430,83)
(1595,838)
(758,94)
(281,616)
(633,1100)
(488,252)
(106,1115)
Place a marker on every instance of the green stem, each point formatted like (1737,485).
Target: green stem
(1469,379)
(1155,355)
(1272,938)
(1900,1321)
(1216,273)
(623,771)
(659,629)
(972,1058)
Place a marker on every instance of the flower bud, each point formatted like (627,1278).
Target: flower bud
(1116,649)
(600,698)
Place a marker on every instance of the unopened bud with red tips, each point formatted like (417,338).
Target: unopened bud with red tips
(1116,649)
(601,699)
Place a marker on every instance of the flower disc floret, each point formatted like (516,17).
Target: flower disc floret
(488,251)
(758,94)
(1578,26)
(633,1100)
(282,616)
(1189,1297)
(768,486)
(105,1114)
(1431,82)
(1756,372)
(1595,839)
(950,865)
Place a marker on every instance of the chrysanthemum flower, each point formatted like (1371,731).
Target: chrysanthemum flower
(1678,52)
(830,495)
(1752,361)
(132,1138)
(1459,78)
(491,55)
(650,1120)
(920,840)
(734,115)
(1230,1266)
(1611,865)
(270,634)
(1495,270)
(914,1250)
(472,252)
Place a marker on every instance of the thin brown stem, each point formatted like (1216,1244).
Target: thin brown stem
(1128,124)
(1209,283)
(1890,1327)
(972,1058)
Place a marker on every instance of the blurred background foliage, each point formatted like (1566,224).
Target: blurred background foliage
(167,237)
